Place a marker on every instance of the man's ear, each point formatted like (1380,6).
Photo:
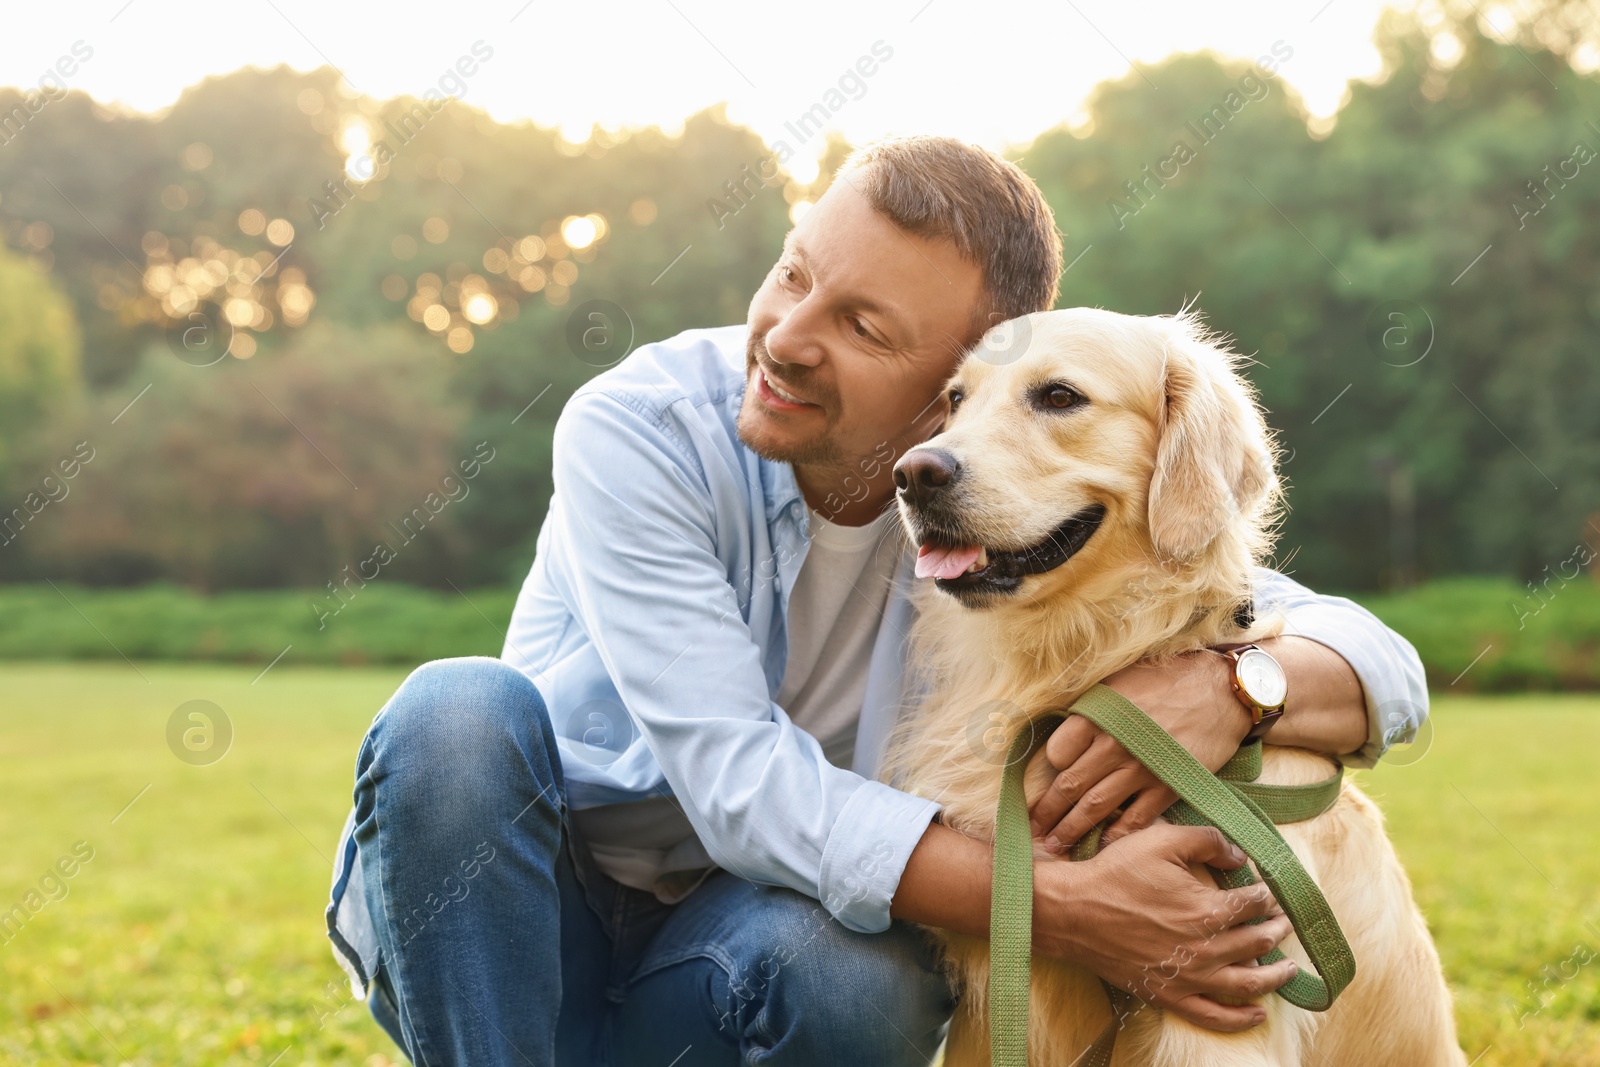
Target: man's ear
(1214,459)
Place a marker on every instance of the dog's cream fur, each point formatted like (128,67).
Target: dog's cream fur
(1172,443)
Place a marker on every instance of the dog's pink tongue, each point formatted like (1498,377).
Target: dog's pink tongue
(940,561)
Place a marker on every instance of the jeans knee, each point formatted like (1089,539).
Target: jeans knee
(455,727)
(886,993)
(822,993)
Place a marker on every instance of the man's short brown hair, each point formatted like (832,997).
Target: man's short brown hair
(995,215)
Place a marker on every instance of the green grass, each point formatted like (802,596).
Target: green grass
(194,935)
(1496,825)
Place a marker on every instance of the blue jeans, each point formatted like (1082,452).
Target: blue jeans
(502,943)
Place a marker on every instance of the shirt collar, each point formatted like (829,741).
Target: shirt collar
(782,493)
(780,488)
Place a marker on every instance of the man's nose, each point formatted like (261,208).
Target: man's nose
(796,337)
(924,473)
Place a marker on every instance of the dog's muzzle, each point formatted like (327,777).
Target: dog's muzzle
(1006,569)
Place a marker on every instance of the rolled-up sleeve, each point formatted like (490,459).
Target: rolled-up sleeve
(637,526)
(1390,671)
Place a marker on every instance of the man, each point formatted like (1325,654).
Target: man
(651,834)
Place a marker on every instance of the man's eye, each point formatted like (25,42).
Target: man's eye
(860,329)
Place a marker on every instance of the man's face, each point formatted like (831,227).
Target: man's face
(852,335)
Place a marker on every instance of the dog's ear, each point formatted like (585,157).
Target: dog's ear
(1215,461)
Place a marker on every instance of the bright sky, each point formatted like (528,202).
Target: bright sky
(998,76)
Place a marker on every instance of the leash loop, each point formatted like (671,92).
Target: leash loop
(1232,801)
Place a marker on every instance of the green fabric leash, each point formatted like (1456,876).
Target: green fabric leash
(1232,801)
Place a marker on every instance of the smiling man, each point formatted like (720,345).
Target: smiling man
(651,833)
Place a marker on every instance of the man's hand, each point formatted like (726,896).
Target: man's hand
(1190,697)
(1135,915)
(1138,917)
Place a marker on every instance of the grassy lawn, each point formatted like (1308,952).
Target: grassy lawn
(194,933)
(1495,824)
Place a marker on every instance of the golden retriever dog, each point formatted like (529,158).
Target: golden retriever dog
(1101,491)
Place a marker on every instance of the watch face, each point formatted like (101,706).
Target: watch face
(1262,678)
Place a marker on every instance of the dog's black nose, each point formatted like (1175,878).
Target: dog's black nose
(923,472)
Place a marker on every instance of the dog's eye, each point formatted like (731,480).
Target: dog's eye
(956,397)
(1060,397)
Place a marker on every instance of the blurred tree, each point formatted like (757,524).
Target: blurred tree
(1466,203)
(1429,403)
(119,189)
(1567,29)
(277,471)
(39,353)
(1413,279)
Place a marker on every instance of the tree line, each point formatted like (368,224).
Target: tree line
(275,339)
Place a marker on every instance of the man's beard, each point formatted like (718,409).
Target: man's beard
(821,450)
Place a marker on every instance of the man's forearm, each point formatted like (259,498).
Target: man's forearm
(1192,698)
(946,883)
(1327,710)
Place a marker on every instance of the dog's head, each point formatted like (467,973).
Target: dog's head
(1082,441)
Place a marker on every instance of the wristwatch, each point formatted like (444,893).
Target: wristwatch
(1260,685)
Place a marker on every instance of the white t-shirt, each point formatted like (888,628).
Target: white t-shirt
(835,609)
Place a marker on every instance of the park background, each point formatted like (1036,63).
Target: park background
(280,360)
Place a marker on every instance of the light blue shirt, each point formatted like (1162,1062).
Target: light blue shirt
(653,624)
